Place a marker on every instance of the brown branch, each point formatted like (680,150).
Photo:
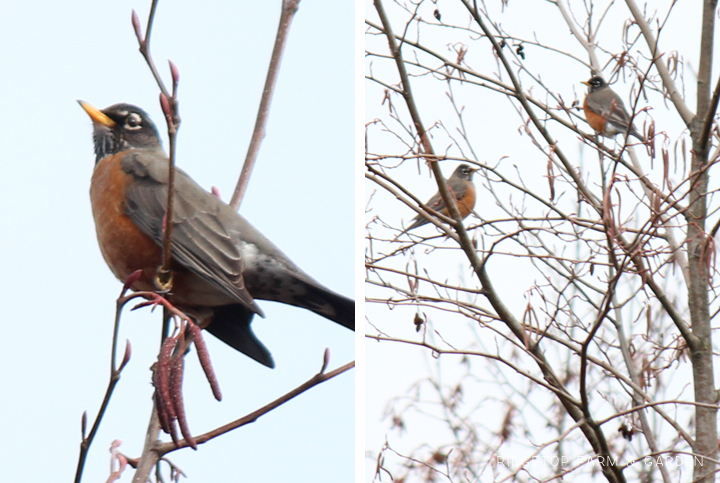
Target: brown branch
(377,177)
(115,372)
(709,118)
(508,90)
(150,456)
(675,95)
(593,435)
(587,195)
(144,41)
(163,276)
(289,7)
(567,16)
(169,105)
(164,448)
(425,146)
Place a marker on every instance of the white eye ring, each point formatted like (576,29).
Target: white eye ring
(133,121)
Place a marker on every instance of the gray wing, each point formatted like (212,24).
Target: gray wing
(200,241)
(611,106)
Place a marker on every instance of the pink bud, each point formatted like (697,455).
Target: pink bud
(130,281)
(175,74)
(136,26)
(165,104)
(126,356)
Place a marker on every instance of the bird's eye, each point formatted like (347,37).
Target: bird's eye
(133,121)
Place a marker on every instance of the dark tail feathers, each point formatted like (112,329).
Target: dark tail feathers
(231,324)
(327,303)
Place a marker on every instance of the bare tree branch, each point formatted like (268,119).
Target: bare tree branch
(289,7)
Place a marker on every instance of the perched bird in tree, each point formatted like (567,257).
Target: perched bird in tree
(220,263)
(605,112)
(461,188)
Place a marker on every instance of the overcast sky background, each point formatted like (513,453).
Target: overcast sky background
(495,130)
(58,296)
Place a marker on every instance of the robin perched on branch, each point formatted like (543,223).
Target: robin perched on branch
(220,263)
(461,188)
(605,112)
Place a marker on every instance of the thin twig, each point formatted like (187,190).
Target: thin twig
(170,109)
(150,456)
(594,437)
(710,118)
(169,105)
(163,277)
(424,140)
(318,378)
(289,7)
(144,41)
(672,91)
(115,372)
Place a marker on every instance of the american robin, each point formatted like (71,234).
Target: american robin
(605,111)
(462,188)
(220,262)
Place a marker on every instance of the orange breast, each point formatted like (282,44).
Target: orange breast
(124,247)
(467,203)
(596,121)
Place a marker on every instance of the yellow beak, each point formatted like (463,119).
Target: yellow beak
(96,115)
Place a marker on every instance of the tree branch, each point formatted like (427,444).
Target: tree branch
(289,7)
(675,96)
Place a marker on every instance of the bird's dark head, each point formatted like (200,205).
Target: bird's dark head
(596,83)
(121,127)
(464,171)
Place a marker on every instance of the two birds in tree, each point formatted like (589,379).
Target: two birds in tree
(605,113)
